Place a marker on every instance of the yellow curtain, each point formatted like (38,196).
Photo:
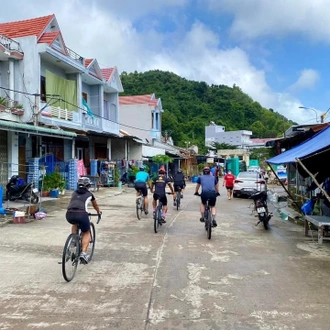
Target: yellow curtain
(66,89)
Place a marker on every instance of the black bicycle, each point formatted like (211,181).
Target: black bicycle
(72,250)
(140,207)
(178,198)
(158,220)
(208,218)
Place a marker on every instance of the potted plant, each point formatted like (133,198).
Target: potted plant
(116,177)
(3,104)
(132,173)
(17,110)
(53,182)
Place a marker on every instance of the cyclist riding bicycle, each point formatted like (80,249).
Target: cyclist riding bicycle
(210,191)
(179,182)
(159,183)
(77,213)
(141,180)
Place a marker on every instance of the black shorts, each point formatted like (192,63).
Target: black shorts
(209,195)
(162,199)
(141,186)
(177,185)
(229,188)
(79,217)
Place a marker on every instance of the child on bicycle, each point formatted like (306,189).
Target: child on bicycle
(160,183)
(210,191)
(179,182)
(77,213)
(141,180)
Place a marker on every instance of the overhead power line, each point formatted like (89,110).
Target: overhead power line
(58,98)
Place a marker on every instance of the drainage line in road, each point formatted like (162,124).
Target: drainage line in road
(160,251)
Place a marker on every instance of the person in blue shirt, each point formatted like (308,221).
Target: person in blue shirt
(141,179)
(210,191)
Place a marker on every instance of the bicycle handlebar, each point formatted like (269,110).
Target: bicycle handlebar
(99,215)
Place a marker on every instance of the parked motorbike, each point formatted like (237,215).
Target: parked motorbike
(260,206)
(17,189)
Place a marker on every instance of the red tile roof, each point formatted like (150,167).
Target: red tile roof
(257,140)
(137,99)
(29,27)
(48,37)
(88,61)
(107,73)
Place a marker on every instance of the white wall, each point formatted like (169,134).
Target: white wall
(138,120)
(27,74)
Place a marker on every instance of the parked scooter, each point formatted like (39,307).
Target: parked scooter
(17,189)
(260,206)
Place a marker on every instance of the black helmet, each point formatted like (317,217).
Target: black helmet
(84,182)
(206,170)
(142,168)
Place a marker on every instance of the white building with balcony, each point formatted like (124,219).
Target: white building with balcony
(215,133)
(54,100)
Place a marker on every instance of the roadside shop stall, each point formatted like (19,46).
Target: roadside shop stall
(307,164)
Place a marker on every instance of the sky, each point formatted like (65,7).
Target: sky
(275,51)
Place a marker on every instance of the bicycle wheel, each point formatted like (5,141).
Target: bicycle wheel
(70,257)
(157,219)
(91,246)
(209,226)
(156,222)
(139,207)
(178,199)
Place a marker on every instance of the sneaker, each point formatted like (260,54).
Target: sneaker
(181,196)
(84,258)
(174,203)
(214,223)
(163,219)
(146,212)
(201,219)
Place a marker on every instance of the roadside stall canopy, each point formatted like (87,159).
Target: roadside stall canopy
(314,153)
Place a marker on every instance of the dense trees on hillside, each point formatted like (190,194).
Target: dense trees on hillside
(189,106)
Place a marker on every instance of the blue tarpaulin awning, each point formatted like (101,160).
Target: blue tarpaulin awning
(319,142)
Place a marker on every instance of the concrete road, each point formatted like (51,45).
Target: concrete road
(243,278)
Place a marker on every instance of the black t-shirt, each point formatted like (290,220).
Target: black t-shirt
(160,183)
(179,179)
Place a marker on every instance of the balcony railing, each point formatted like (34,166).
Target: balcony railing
(57,112)
(10,44)
(75,56)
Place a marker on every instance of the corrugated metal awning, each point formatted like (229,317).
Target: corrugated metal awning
(36,130)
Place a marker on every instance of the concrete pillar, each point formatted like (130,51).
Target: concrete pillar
(13,158)
(109,148)
(11,74)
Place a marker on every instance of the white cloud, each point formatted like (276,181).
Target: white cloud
(96,32)
(307,80)
(256,18)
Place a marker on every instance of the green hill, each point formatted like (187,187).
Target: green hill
(189,106)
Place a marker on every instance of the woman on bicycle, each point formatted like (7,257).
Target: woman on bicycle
(160,183)
(210,191)
(141,180)
(77,213)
